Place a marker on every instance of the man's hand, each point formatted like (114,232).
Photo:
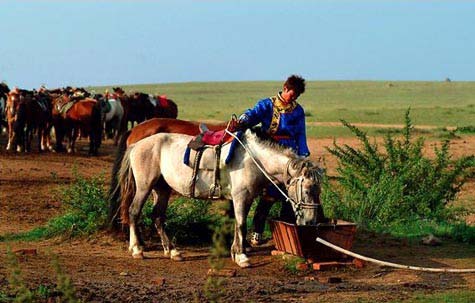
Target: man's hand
(239,124)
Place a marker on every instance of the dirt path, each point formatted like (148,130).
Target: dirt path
(103,271)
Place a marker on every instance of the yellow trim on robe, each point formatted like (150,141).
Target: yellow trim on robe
(279,107)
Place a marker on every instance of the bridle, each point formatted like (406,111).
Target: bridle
(296,182)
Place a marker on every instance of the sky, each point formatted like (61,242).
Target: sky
(91,43)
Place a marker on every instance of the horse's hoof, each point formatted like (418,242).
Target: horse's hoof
(176,255)
(137,255)
(242,260)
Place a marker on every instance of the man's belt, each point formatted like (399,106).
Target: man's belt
(277,137)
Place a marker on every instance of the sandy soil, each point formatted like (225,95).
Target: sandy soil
(103,271)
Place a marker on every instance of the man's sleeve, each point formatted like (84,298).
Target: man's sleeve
(301,138)
(255,115)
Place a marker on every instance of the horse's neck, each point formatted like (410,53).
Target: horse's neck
(274,162)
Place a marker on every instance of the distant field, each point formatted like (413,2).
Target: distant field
(438,104)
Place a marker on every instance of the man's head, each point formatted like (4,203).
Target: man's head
(294,86)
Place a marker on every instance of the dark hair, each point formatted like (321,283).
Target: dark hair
(295,83)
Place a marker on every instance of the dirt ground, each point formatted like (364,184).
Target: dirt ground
(103,271)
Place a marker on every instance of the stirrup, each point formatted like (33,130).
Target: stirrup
(256,239)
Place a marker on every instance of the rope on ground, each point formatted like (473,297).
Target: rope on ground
(384,263)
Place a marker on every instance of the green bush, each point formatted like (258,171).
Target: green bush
(399,184)
(86,207)
(188,220)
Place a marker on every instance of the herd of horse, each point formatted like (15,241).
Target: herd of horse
(73,112)
(150,157)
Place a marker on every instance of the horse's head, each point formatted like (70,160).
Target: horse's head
(303,183)
(13,103)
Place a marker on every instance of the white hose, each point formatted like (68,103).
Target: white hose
(384,263)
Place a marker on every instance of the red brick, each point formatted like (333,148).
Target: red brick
(358,263)
(301,266)
(325,265)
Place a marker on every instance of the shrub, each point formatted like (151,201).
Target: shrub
(397,185)
(188,220)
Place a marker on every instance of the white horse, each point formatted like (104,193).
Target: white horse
(155,164)
(113,120)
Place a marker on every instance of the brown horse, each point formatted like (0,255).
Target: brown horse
(139,132)
(83,115)
(27,112)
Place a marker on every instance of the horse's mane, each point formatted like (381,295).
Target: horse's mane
(261,137)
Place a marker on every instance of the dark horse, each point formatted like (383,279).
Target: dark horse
(83,115)
(27,112)
(139,106)
(165,108)
(139,132)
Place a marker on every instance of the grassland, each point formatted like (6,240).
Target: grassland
(437,104)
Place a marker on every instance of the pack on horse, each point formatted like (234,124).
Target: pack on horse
(28,112)
(156,164)
(139,132)
(70,117)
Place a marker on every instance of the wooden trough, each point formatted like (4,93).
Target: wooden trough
(301,240)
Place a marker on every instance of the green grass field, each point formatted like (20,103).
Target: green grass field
(437,104)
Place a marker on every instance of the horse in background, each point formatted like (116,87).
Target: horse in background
(139,106)
(27,112)
(113,116)
(155,164)
(164,107)
(70,117)
(139,132)
(4,90)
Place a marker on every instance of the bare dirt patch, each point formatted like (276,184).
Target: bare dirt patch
(103,271)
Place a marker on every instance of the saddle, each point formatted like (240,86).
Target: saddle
(64,107)
(211,141)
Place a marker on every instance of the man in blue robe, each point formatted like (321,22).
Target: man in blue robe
(283,119)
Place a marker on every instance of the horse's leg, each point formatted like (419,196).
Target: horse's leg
(161,195)
(10,135)
(116,130)
(73,136)
(134,214)
(241,208)
(49,129)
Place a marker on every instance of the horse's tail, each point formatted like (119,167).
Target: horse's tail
(114,190)
(127,186)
